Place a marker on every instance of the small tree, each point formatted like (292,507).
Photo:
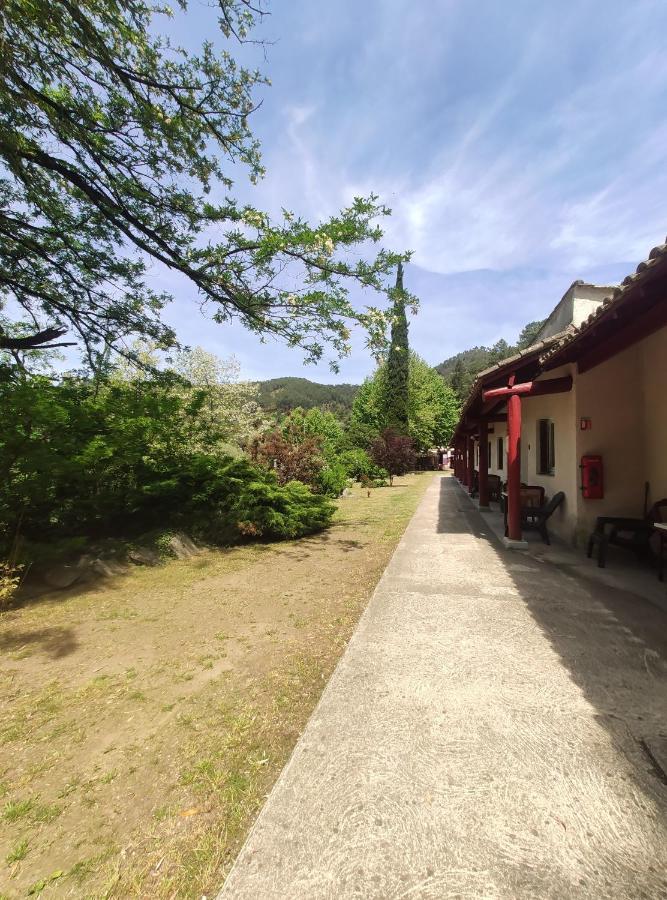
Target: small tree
(433,407)
(291,460)
(394,452)
(528,333)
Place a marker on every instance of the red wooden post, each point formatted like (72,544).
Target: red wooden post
(471,464)
(483,463)
(514,467)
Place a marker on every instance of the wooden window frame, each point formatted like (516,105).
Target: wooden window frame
(546,447)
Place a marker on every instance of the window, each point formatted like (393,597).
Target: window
(501,454)
(546,447)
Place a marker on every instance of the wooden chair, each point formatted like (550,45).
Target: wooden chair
(627,532)
(532,495)
(536,517)
(494,487)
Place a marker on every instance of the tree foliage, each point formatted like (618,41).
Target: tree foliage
(281,395)
(229,414)
(433,407)
(80,458)
(306,445)
(291,458)
(394,452)
(118,150)
(396,392)
(528,333)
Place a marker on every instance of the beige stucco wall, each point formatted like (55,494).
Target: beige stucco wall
(499,431)
(575,306)
(561,409)
(611,396)
(653,365)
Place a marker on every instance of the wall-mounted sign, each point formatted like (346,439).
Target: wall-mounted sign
(586,423)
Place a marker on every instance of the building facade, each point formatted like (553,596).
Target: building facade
(593,384)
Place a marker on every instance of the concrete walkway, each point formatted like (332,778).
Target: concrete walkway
(482,736)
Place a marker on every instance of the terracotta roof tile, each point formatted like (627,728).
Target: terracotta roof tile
(553,345)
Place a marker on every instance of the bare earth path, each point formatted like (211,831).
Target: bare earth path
(481,737)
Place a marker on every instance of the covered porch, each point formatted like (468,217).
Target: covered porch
(491,460)
(625,574)
(587,402)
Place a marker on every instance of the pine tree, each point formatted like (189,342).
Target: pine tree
(398,361)
(458,380)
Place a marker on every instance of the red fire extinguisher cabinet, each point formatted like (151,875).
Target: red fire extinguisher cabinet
(592,477)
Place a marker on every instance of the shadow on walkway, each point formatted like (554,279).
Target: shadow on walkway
(612,642)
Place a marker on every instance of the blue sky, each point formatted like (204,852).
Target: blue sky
(519,144)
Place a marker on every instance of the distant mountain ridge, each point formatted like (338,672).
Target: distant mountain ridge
(474,359)
(284,394)
(280,395)
(461,369)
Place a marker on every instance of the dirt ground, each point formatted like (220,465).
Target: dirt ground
(144,719)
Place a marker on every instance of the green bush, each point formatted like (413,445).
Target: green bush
(232,500)
(359,466)
(332,479)
(124,458)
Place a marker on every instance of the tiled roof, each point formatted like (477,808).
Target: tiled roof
(618,296)
(527,353)
(550,348)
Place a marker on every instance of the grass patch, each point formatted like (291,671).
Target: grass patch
(17,809)
(44,813)
(19,852)
(165,756)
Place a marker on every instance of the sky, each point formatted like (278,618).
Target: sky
(521,145)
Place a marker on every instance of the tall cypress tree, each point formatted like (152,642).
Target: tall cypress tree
(398,361)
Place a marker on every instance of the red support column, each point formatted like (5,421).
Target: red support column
(483,464)
(470,480)
(514,467)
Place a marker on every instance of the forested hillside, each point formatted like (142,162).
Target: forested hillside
(284,394)
(460,370)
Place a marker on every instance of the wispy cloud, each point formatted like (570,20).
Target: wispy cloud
(520,145)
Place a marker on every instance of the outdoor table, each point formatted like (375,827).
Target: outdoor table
(601,537)
(661,528)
